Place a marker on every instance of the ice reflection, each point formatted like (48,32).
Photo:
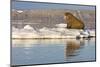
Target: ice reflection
(39,51)
(71,46)
(36,42)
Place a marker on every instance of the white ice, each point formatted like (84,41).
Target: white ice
(59,32)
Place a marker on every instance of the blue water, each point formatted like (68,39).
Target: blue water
(41,51)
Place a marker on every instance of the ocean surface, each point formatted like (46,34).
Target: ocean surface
(43,51)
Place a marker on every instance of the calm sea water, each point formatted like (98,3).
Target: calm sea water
(41,51)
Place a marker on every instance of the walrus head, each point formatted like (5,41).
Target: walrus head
(68,15)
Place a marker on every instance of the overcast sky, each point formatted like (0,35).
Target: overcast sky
(38,5)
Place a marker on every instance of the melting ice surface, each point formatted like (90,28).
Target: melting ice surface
(59,31)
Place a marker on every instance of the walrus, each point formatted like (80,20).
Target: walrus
(73,22)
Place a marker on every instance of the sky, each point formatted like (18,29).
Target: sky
(39,5)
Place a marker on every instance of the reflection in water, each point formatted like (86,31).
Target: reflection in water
(72,47)
(37,42)
(40,51)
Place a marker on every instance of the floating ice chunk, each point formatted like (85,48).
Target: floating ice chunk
(28,27)
(92,32)
(86,32)
(61,25)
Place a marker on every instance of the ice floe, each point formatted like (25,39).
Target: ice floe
(58,32)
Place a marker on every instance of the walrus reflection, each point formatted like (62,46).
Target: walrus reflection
(73,22)
(72,48)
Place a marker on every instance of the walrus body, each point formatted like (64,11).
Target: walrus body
(73,22)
